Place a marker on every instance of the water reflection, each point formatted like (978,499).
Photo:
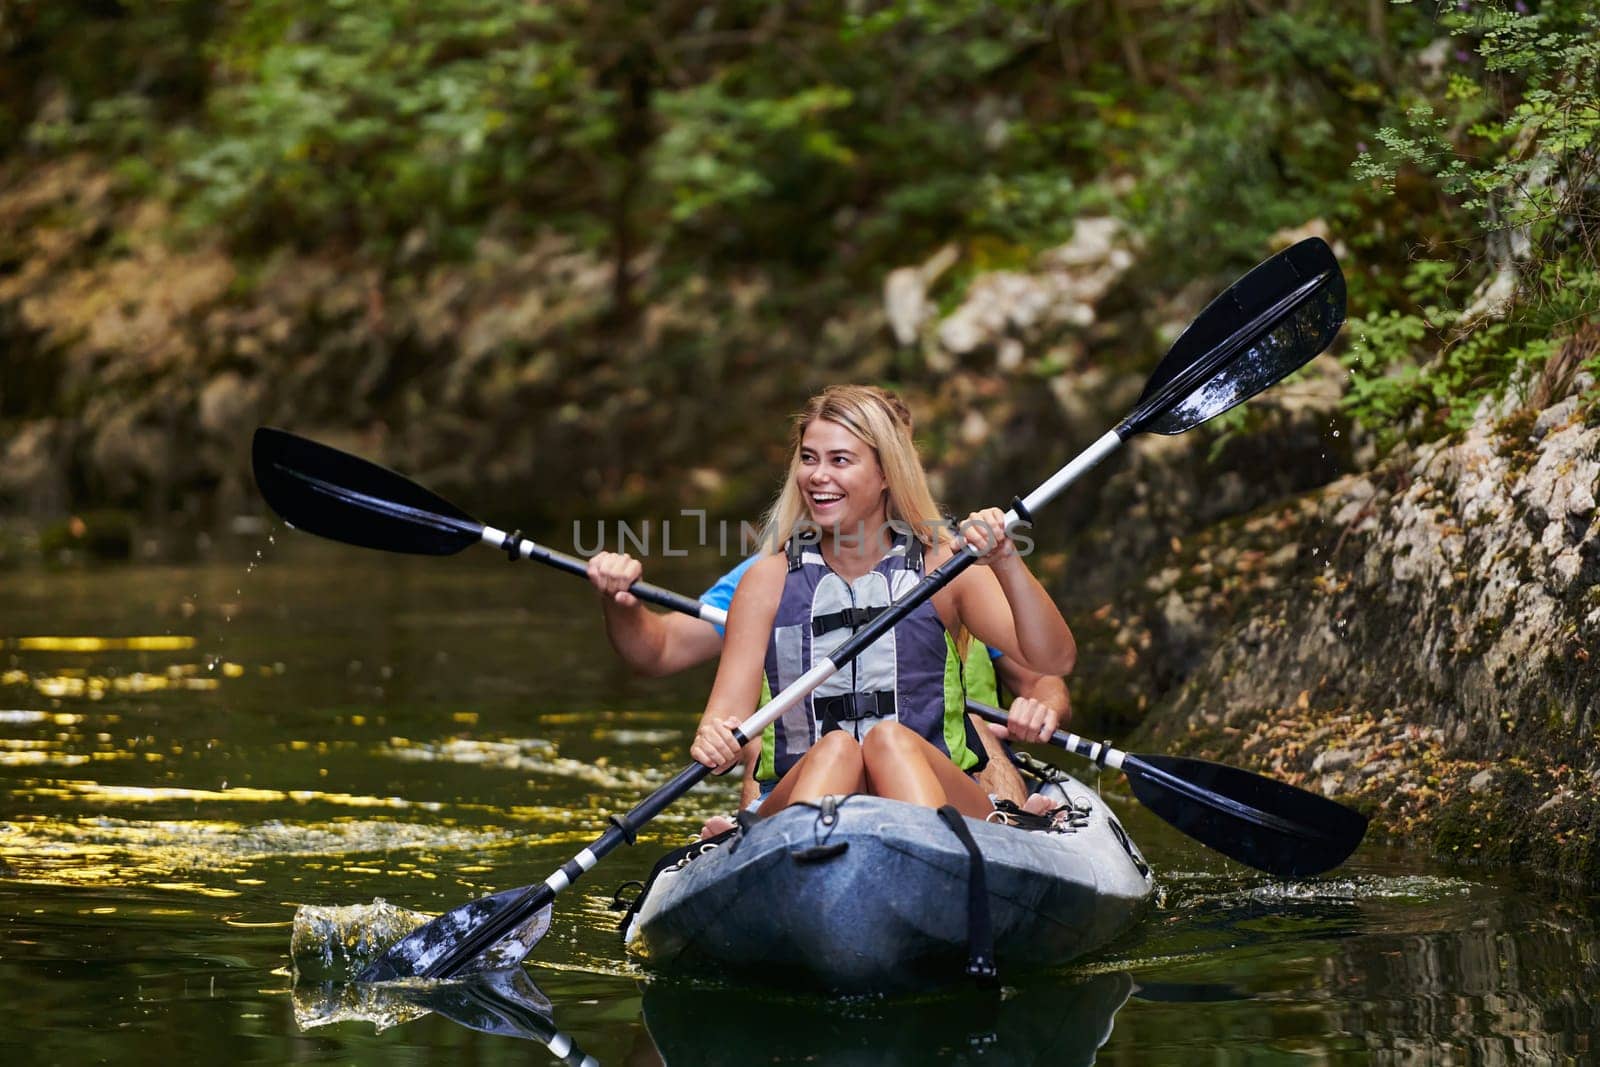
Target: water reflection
(504,1003)
(1482,992)
(1064,1022)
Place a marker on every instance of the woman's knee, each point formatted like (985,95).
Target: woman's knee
(836,751)
(889,740)
(836,744)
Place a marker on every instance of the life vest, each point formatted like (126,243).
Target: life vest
(911,675)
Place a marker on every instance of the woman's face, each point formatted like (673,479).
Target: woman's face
(840,479)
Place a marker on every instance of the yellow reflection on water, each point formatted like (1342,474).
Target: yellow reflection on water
(189,856)
(76,683)
(144,794)
(527,755)
(152,643)
(21,717)
(37,758)
(197,888)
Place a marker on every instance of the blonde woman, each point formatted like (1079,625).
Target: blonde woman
(854,527)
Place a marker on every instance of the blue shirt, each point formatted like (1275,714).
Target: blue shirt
(720,595)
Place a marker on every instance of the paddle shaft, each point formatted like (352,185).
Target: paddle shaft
(1103,754)
(520,547)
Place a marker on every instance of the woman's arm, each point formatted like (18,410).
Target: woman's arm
(737,688)
(1004,604)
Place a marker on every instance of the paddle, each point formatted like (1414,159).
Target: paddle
(1263,823)
(345,498)
(1266,325)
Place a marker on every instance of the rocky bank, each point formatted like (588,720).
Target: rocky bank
(1419,640)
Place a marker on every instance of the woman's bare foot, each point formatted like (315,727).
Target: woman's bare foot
(717,824)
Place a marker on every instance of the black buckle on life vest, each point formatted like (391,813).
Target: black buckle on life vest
(853,707)
(809,535)
(848,617)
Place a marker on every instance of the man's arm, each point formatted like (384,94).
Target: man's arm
(657,645)
(651,643)
(1039,704)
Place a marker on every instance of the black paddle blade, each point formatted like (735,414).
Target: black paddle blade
(1263,823)
(345,498)
(1266,325)
(414,954)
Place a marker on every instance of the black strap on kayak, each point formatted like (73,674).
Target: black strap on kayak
(980,930)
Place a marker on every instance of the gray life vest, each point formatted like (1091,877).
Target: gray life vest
(911,675)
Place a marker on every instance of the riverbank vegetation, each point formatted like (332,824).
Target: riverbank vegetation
(432,224)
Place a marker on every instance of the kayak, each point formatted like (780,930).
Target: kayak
(864,894)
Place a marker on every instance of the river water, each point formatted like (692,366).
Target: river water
(189,753)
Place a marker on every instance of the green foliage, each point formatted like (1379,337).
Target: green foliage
(365,118)
(1510,152)
(87,72)
(715,152)
(1442,146)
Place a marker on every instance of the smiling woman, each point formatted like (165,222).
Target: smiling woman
(858,528)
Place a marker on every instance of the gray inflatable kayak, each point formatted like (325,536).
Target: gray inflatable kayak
(876,897)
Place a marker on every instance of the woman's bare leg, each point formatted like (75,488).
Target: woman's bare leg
(833,766)
(902,766)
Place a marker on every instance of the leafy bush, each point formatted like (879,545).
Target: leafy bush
(1511,150)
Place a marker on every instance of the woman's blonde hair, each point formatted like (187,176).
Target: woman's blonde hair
(882,420)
